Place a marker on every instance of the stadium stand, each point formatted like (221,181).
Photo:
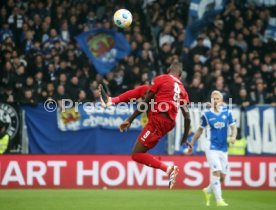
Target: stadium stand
(40,58)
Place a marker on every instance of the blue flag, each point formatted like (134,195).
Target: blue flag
(104,48)
(201,13)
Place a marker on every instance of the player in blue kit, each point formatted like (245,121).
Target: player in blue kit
(216,120)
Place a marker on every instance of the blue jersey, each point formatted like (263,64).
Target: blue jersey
(217,127)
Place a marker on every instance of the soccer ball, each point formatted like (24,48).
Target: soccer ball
(122,18)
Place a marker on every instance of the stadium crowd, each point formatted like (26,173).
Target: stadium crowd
(40,58)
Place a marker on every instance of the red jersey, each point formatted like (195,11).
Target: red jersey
(169,94)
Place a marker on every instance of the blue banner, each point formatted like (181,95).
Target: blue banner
(104,48)
(261,130)
(45,137)
(259,123)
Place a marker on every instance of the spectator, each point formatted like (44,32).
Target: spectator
(236,87)
(82,96)
(8,95)
(48,91)
(93,91)
(7,75)
(51,74)
(146,61)
(52,40)
(19,77)
(199,48)
(272,98)
(74,29)
(195,91)
(64,32)
(243,99)
(39,84)
(166,36)
(232,49)
(62,79)
(60,94)
(131,77)
(241,43)
(74,88)
(29,83)
(111,83)
(16,21)
(5,32)
(37,66)
(36,26)
(259,96)
(43,35)
(3,15)
(28,97)
(219,85)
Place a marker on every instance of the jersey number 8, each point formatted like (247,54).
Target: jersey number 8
(176,96)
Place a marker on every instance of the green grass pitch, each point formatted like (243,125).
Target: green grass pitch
(131,200)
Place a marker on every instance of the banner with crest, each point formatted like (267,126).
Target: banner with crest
(87,118)
(104,48)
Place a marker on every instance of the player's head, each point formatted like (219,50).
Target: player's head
(175,69)
(216,98)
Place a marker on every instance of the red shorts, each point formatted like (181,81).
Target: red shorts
(157,126)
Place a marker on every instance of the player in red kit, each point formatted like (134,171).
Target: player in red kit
(168,94)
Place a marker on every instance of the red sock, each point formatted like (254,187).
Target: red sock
(135,93)
(149,160)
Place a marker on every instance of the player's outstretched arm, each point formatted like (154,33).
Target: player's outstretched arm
(197,135)
(233,133)
(195,138)
(187,122)
(126,124)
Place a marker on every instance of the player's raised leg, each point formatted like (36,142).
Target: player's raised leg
(140,155)
(124,97)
